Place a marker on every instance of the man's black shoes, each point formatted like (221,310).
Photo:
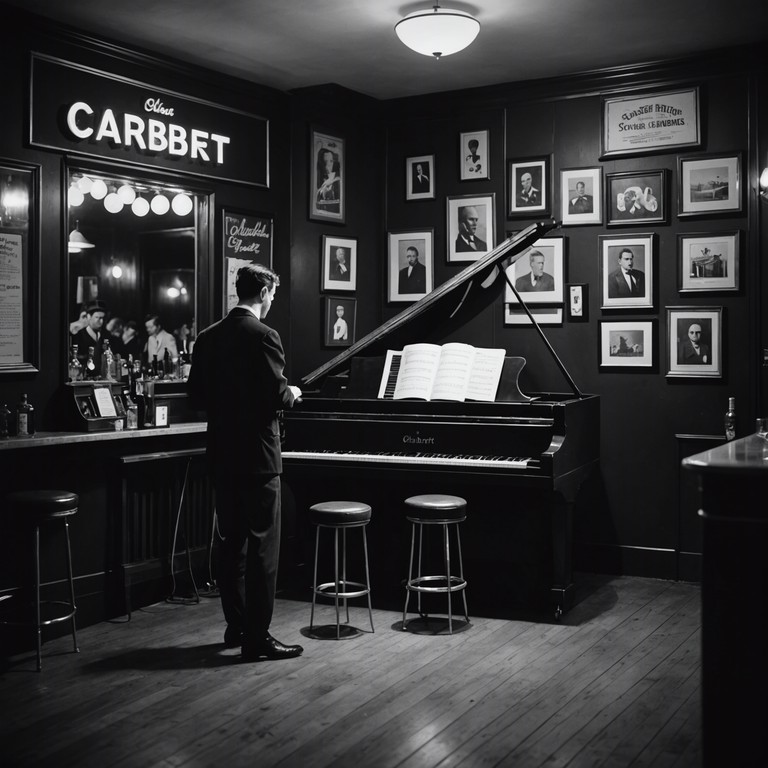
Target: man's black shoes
(269,648)
(233,637)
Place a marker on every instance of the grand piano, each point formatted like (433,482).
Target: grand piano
(525,455)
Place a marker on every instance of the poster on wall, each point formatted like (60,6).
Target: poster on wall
(11,301)
(653,122)
(247,239)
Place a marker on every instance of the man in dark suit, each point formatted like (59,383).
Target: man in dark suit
(92,335)
(420,179)
(237,378)
(528,194)
(413,278)
(581,202)
(537,279)
(340,268)
(468,239)
(692,351)
(625,281)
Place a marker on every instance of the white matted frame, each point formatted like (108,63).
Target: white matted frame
(687,326)
(410,264)
(544,260)
(615,283)
(708,261)
(420,177)
(626,344)
(581,196)
(529,187)
(709,184)
(339,270)
(474,149)
(470,221)
(515,315)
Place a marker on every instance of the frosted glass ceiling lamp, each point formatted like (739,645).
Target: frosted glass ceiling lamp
(85,184)
(160,204)
(126,193)
(437,32)
(77,239)
(140,207)
(99,190)
(181,204)
(75,196)
(113,203)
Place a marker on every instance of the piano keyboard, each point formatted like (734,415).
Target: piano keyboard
(420,459)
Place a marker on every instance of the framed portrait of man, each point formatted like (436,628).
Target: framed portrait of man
(581,196)
(340,317)
(410,268)
(326,188)
(694,343)
(339,267)
(470,226)
(538,274)
(626,271)
(529,187)
(420,177)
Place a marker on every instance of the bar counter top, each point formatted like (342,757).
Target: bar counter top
(44,439)
(745,456)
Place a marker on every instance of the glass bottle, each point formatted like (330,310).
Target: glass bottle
(167,365)
(185,360)
(75,366)
(730,419)
(5,421)
(90,365)
(108,370)
(131,412)
(25,418)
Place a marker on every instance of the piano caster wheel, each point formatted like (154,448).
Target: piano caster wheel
(558,613)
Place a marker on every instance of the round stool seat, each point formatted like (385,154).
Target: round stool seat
(43,504)
(436,507)
(340,513)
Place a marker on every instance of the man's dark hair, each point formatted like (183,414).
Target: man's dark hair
(252,278)
(414,249)
(155,319)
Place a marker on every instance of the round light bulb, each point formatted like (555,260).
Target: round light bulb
(140,206)
(173,292)
(85,184)
(160,204)
(126,193)
(75,196)
(117,271)
(182,204)
(99,190)
(113,203)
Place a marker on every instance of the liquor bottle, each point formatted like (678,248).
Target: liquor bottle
(5,421)
(185,360)
(154,366)
(108,370)
(25,418)
(131,411)
(167,366)
(75,366)
(730,419)
(90,365)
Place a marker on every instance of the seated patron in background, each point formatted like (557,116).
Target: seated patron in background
(81,322)
(92,335)
(130,341)
(158,340)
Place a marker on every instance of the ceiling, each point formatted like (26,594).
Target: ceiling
(289,44)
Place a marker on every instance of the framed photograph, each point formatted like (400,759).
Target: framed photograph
(708,261)
(514,315)
(474,153)
(632,196)
(651,122)
(626,271)
(410,264)
(581,196)
(339,271)
(247,238)
(709,184)
(577,298)
(538,274)
(529,187)
(340,316)
(694,342)
(420,178)
(470,226)
(326,188)
(19,267)
(626,343)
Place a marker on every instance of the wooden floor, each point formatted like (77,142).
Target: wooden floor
(615,683)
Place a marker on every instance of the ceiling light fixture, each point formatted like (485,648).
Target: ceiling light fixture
(764,185)
(77,239)
(438,32)
(160,204)
(140,206)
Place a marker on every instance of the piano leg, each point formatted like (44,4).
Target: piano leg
(562,591)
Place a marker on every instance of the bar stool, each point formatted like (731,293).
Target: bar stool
(39,508)
(444,511)
(339,516)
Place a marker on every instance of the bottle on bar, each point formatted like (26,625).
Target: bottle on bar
(5,421)
(154,367)
(730,419)
(75,366)
(25,418)
(108,370)
(90,365)
(167,366)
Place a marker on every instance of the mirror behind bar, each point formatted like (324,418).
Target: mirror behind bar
(461,297)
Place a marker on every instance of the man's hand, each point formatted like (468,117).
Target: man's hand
(295,391)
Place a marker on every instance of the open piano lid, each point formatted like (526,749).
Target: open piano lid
(447,307)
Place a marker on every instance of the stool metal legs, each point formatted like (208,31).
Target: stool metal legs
(339,588)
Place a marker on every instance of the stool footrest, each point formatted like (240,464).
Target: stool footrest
(71,610)
(328,589)
(420,584)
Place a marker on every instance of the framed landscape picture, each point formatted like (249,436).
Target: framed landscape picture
(709,184)
(626,343)
(708,261)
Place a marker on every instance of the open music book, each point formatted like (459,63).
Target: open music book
(442,372)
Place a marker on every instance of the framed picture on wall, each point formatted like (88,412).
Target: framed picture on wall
(581,196)
(515,315)
(529,187)
(694,342)
(420,178)
(410,264)
(626,271)
(633,196)
(340,318)
(339,271)
(626,344)
(470,225)
(538,274)
(326,188)
(577,297)
(247,238)
(708,261)
(474,155)
(709,184)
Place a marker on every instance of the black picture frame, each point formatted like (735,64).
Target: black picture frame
(331,278)
(420,177)
(614,291)
(327,193)
(20,266)
(540,202)
(637,198)
(335,335)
